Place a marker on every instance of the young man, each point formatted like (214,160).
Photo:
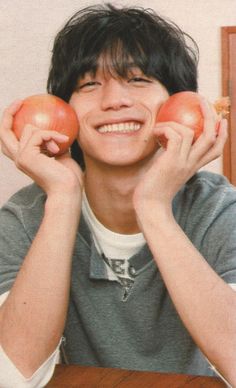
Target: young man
(130,258)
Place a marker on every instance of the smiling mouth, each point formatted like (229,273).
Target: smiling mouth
(120,127)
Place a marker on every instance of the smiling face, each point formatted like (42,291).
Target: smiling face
(117,115)
(117,36)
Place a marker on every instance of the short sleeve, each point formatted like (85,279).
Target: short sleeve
(20,219)
(220,243)
(14,244)
(206,210)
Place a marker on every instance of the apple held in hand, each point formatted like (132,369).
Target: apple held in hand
(48,112)
(185,108)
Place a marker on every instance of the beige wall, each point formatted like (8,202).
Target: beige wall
(27,29)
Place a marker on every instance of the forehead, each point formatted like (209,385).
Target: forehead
(106,65)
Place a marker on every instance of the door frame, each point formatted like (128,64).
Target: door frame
(229,155)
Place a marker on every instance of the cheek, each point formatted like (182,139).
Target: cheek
(80,107)
(160,100)
(154,101)
(75,105)
(72,100)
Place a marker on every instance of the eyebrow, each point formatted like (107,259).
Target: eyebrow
(105,66)
(129,66)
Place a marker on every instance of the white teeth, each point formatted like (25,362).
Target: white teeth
(120,127)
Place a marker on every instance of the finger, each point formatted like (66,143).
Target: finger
(47,147)
(174,139)
(51,147)
(207,139)
(34,137)
(9,143)
(8,114)
(65,156)
(223,128)
(209,114)
(6,151)
(26,134)
(221,138)
(217,149)
(8,140)
(186,134)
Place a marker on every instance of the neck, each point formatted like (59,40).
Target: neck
(110,193)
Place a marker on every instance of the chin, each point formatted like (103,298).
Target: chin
(122,156)
(127,160)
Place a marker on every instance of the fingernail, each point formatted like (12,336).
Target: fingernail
(224,123)
(63,136)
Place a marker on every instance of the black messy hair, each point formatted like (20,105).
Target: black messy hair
(155,45)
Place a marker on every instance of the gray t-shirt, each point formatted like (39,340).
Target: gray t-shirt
(138,329)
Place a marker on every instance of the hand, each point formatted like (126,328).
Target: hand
(54,174)
(171,168)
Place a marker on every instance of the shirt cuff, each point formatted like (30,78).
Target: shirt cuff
(10,376)
(233,286)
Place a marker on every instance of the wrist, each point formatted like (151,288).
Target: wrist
(147,209)
(63,201)
(154,215)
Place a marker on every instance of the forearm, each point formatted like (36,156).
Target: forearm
(206,305)
(33,316)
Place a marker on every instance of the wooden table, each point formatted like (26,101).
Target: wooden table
(75,376)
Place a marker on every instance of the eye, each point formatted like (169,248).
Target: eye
(139,79)
(87,86)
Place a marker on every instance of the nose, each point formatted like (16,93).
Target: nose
(116,95)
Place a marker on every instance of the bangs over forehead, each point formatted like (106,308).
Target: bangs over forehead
(117,44)
(115,59)
(121,37)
